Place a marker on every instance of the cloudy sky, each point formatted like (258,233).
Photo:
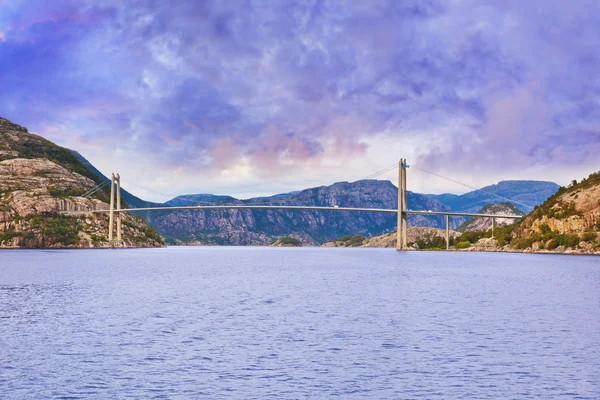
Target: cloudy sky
(257,97)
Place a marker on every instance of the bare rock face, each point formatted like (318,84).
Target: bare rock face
(35,191)
(482,224)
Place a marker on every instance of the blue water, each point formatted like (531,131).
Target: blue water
(258,323)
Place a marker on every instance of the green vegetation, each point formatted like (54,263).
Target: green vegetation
(522,244)
(60,229)
(151,233)
(290,241)
(63,193)
(502,234)
(8,235)
(563,210)
(463,245)
(53,229)
(589,236)
(351,241)
(432,242)
(138,223)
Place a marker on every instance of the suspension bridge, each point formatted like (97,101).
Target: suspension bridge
(115,211)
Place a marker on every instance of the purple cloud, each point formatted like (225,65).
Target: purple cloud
(282,86)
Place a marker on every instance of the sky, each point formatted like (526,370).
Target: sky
(253,98)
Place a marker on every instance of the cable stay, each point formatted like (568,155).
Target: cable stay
(95,189)
(475,188)
(383,171)
(153,191)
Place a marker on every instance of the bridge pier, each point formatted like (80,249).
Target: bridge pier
(111,215)
(115,180)
(402,230)
(447,232)
(119,207)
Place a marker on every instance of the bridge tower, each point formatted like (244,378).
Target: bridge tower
(111,215)
(401,234)
(115,180)
(119,215)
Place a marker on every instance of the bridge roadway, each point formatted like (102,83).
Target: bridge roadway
(316,208)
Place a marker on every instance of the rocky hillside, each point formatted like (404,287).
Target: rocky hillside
(257,227)
(427,237)
(572,211)
(484,223)
(38,180)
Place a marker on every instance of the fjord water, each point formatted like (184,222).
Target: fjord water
(240,323)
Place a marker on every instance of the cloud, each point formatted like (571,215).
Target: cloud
(289,89)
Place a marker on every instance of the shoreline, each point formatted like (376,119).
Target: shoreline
(300,247)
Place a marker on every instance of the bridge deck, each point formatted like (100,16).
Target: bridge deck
(315,208)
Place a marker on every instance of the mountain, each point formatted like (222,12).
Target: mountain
(478,224)
(255,227)
(526,195)
(38,179)
(276,196)
(191,199)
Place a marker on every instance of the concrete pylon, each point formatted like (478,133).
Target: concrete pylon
(111,217)
(405,205)
(402,233)
(118,207)
(447,232)
(399,231)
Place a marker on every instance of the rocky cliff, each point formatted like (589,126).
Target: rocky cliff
(39,180)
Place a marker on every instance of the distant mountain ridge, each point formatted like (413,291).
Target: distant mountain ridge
(191,199)
(525,195)
(247,227)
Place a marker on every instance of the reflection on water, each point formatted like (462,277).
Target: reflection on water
(298,323)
